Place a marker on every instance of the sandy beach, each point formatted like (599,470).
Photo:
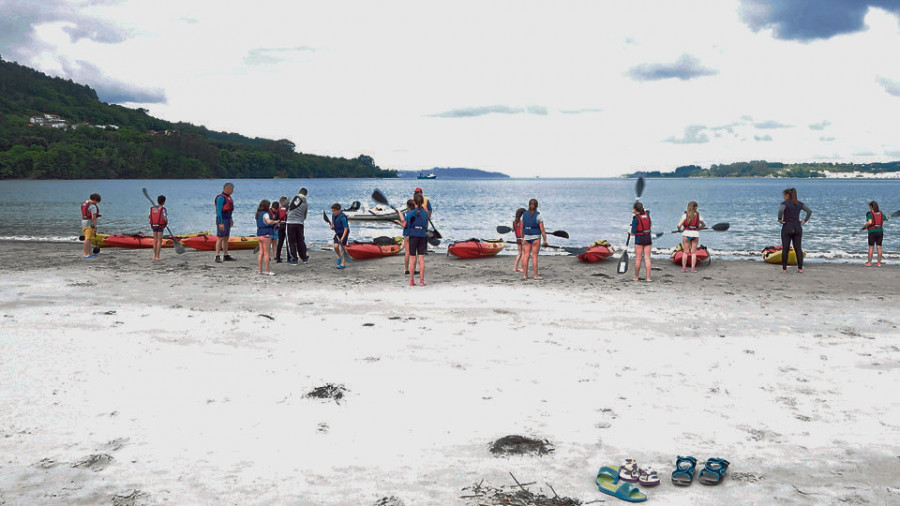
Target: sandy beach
(129,382)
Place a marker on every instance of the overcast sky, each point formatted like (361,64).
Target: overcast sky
(549,88)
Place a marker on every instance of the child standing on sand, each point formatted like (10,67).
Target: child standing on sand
(517,229)
(341,228)
(265,228)
(410,205)
(643,241)
(690,226)
(532,232)
(415,223)
(159,218)
(875,224)
(90,211)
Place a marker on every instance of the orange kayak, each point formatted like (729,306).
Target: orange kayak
(597,252)
(208,242)
(702,255)
(134,240)
(476,248)
(368,250)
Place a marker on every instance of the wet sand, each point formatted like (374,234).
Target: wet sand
(184,381)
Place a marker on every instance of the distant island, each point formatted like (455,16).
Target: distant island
(53,128)
(762,168)
(452,173)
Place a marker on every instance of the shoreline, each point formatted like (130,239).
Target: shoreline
(186,381)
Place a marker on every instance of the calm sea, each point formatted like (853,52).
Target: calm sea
(588,209)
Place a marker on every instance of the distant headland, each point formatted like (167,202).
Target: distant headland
(452,173)
(762,168)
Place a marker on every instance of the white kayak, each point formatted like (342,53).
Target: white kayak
(377,213)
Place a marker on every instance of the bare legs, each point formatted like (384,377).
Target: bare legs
(639,253)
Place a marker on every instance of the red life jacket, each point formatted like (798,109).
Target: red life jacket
(877,220)
(693,224)
(228,206)
(157,218)
(643,224)
(85,212)
(282,216)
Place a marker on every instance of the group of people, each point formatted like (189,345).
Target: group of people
(283,221)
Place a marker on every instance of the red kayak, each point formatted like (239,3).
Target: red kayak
(702,255)
(138,241)
(368,250)
(597,252)
(208,242)
(476,248)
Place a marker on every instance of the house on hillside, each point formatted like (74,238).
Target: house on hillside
(48,120)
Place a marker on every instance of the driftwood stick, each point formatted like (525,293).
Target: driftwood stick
(551,489)
(519,484)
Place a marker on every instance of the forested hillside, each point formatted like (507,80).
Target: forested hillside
(84,138)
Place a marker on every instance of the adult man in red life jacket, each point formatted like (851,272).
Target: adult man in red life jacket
(224,208)
(159,218)
(89,214)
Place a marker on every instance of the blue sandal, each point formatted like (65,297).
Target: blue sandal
(714,471)
(683,474)
(608,483)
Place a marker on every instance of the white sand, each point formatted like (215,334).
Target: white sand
(170,370)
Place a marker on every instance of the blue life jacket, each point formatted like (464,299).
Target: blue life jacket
(340,223)
(530,225)
(263,228)
(417,223)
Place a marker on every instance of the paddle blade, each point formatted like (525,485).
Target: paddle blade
(325,217)
(96,249)
(895,214)
(639,187)
(179,248)
(560,233)
(622,268)
(721,227)
(434,241)
(436,234)
(575,251)
(146,194)
(379,197)
(503,229)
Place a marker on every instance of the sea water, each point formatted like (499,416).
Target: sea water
(588,209)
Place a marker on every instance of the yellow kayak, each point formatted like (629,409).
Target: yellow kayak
(772,255)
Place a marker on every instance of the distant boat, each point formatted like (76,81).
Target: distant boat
(430,175)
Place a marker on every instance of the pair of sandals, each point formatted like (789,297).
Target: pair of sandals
(631,472)
(713,471)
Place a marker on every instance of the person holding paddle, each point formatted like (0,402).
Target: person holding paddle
(875,225)
(90,211)
(532,231)
(224,208)
(159,218)
(265,229)
(415,227)
(281,229)
(517,228)
(410,205)
(643,240)
(690,226)
(426,205)
(341,228)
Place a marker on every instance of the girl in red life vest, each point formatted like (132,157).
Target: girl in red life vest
(643,241)
(690,226)
(159,218)
(875,225)
(517,229)
(410,206)
(90,211)
(532,233)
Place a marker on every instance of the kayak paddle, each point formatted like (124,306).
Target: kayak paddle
(622,268)
(434,238)
(895,214)
(502,229)
(718,227)
(179,248)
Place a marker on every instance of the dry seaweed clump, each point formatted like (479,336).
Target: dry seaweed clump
(520,445)
(486,495)
(328,391)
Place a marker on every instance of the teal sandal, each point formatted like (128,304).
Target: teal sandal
(608,483)
(713,472)
(683,474)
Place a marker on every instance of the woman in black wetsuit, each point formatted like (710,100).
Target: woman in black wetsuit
(792,227)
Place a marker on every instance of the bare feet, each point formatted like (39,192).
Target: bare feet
(536,277)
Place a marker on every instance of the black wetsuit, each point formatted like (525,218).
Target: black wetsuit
(792,230)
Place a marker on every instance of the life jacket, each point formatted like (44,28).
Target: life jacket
(517,228)
(530,225)
(877,220)
(158,218)
(282,216)
(85,210)
(643,224)
(417,223)
(228,206)
(263,228)
(693,224)
(338,222)
(425,204)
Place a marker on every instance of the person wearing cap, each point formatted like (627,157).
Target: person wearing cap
(427,203)
(296,216)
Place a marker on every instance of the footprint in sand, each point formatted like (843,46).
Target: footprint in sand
(95,462)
